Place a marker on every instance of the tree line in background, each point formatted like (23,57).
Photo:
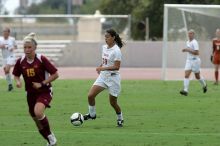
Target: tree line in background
(142,9)
(138,9)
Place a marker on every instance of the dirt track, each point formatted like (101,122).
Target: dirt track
(126,73)
(130,73)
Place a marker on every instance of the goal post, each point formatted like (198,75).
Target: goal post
(178,19)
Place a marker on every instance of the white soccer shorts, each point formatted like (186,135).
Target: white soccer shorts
(10,60)
(111,83)
(193,65)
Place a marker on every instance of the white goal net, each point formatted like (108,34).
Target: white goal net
(204,19)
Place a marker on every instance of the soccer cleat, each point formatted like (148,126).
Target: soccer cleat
(52,140)
(10,87)
(120,123)
(182,92)
(87,117)
(205,89)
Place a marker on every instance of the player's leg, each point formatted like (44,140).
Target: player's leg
(216,74)
(202,81)
(196,70)
(37,122)
(186,83)
(93,92)
(31,99)
(114,91)
(43,123)
(188,70)
(41,120)
(8,76)
(115,105)
(42,102)
(40,128)
(216,62)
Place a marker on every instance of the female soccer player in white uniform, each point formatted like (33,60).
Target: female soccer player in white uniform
(8,44)
(109,77)
(192,63)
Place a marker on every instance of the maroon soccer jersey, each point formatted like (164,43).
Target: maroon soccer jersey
(36,71)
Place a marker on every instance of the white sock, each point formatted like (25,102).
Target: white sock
(202,81)
(92,111)
(8,78)
(186,84)
(120,116)
(42,118)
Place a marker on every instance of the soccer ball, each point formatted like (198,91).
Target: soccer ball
(76,119)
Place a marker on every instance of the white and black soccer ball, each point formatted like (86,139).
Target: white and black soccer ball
(77,119)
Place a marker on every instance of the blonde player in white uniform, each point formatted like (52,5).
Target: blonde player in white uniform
(109,77)
(193,63)
(8,44)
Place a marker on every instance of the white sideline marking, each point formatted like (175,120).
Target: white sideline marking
(132,133)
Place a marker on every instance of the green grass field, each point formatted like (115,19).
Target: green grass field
(154,112)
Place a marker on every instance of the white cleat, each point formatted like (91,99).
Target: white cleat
(52,139)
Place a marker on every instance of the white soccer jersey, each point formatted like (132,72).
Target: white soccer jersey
(9,44)
(107,79)
(109,56)
(194,46)
(193,62)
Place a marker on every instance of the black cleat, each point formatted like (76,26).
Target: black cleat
(205,89)
(120,123)
(10,87)
(87,117)
(182,92)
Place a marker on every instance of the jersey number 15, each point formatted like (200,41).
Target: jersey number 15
(30,72)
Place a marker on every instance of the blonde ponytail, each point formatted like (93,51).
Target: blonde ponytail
(31,37)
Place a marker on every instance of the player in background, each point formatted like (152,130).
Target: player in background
(216,54)
(38,73)
(109,76)
(192,63)
(8,44)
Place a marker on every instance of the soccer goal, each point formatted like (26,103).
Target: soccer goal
(204,19)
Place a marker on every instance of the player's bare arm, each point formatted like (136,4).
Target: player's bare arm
(51,78)
(13,48)
(2,46)
(98,71)
(18,81)
(116,66)
(194,52)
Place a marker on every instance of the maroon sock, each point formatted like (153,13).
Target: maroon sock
(42,132)
(46,127)
(216,76)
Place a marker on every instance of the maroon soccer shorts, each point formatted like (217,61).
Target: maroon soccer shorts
(32,99)
(216,58)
